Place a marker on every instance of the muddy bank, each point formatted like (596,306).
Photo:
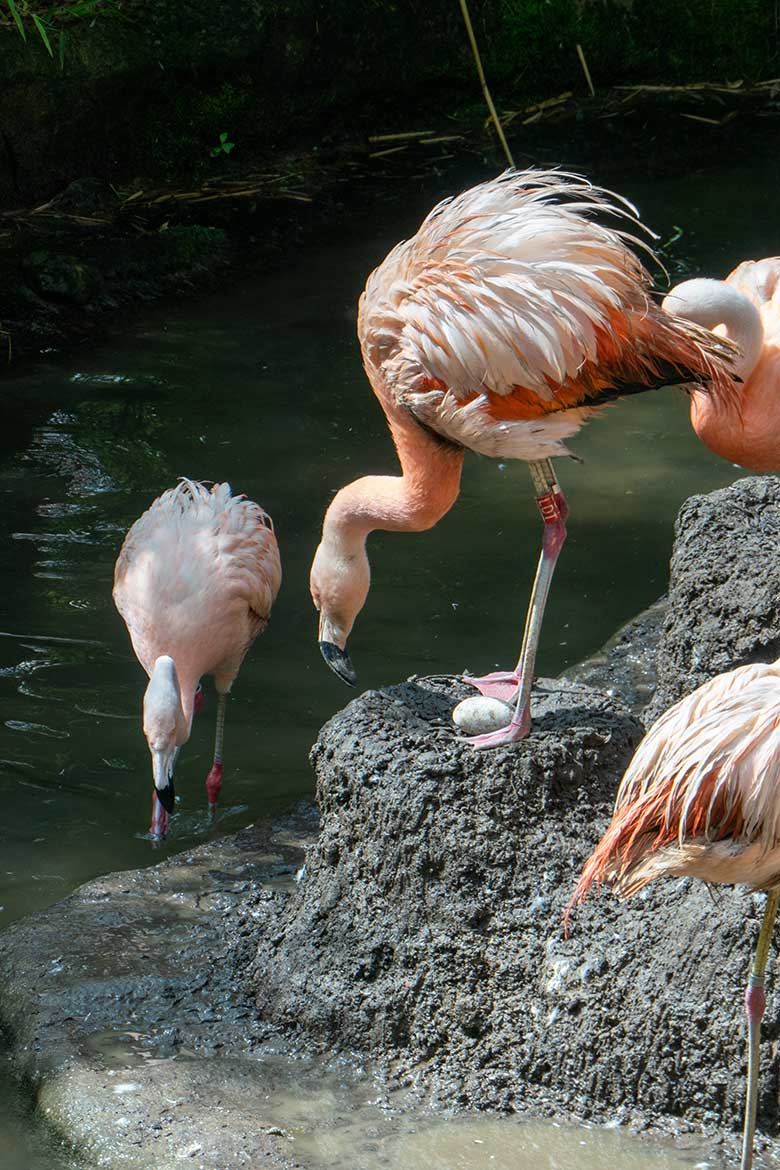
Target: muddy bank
(627,665)
(125,1017)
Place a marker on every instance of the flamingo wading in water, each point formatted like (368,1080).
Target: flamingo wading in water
(745,307)
(701,798)
(509,319)
(195,581)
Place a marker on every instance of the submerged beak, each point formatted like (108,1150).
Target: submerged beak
(339,662)
(163,763)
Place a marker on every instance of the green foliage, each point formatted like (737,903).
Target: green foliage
(49,19)
(670,41)
(183,130)
(223,146)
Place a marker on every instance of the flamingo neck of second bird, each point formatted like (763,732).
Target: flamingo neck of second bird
(166,703)
(720,307)
(412,502)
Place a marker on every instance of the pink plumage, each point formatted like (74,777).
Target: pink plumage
(517,311)
(513,313)
(701,797)
(195,581)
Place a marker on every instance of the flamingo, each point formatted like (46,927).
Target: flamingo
(701,798)
(509,319)
(195,581)
(745,307)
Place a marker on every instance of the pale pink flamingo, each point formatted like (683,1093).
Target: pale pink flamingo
(509,319)
(745,307)
(701,798)
(195,582)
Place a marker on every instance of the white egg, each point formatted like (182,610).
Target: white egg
(477,715)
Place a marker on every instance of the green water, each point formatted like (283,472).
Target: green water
(261,384)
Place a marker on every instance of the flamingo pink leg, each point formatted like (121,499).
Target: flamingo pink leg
(517,684)
(755,1004)
(214,778)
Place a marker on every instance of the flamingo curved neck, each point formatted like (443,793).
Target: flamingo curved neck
(713,303)
(412,502)
(163,699)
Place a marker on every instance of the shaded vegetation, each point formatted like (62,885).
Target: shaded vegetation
(151,89)
(235,114)
(50,18)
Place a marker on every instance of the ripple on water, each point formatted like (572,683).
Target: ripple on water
(37,729)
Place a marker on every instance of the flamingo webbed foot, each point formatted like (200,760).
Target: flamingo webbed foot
(214,786)
(513,732)
(500,684)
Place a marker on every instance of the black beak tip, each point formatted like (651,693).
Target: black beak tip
(167,796)
(339,662)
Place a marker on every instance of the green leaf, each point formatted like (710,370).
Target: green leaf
(44,35)
(228,146)
(61,50)
(17,17)
(223,136)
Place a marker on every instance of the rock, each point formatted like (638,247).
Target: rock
(87,197)
(724,588)
(626,665)
(427,930)
(60,276)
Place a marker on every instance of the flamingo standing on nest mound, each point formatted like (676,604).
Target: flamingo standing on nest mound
(745,307)
(701,798)
(195,582)
(507,321)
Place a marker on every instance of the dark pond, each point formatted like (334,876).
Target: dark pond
(261,384)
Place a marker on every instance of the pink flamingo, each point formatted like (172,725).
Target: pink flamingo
(701,798)
(509,319)
(195,582)
(745,307)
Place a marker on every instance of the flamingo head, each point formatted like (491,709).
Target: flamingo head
(339,583)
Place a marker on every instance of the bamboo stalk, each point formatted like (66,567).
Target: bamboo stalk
(483,81)
(399,137)
(585,70)
(384,153)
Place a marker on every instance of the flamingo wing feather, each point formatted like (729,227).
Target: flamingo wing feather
(513,294)
(196,578)
(701,792)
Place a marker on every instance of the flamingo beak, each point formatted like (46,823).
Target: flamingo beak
(162,769)
(330,635)
(339,662)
